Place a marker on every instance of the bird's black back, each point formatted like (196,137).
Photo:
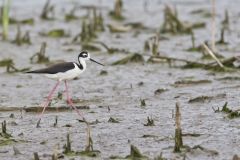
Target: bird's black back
(60,67)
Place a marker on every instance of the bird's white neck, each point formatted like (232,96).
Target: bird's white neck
(83,63)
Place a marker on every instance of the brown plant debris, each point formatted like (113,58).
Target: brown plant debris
(142,102)
(202,99)
(208,151)
(130,58)
(40,56)
(178,130)
(194,48)
(19,39)
(117,12)
(111,50)
(183,83)
(16,150)
(4,130)
(229,78)
(113,120)
(71,15)
(36,157)
(90,47)
(150,122)
(116,28)
(229,63)
(48,11)
(152,44)
(69,152)
(235,157)
(67,146)
(136,154)
(90,28)
(191,135)
(52,109)
(55,33)
(222,39)
(103,73)
(172,23)
(10,66)
(29,21)
(160,91)
(230,113)
(159,157)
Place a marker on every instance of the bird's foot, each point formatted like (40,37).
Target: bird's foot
(70,102)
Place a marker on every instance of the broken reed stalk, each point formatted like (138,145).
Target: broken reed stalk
(54,157)
(5,18)
(135,153)
(56,122)
(222,39)
(36,157)
(4,127)
(212,55)
(225,22)
(18,35)
(40,56)
(68,145)
(118,8)
(213,26)
(193,39)
(46,10)
(89,146)
(155,44)
(16,151)
(178,130)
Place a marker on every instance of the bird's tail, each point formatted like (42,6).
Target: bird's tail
(36,71)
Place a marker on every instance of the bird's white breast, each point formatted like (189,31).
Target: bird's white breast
(68,75)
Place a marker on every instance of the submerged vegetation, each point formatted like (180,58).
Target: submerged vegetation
(230,113)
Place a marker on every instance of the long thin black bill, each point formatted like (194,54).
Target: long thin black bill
(95,61)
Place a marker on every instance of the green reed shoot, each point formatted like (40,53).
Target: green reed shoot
(5,18)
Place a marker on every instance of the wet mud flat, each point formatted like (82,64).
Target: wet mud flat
(130,103)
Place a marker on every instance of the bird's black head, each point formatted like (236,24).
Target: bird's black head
(84,55)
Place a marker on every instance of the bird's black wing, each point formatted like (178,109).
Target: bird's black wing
(60,67)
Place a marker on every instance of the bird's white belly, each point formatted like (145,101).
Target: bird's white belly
(68,75)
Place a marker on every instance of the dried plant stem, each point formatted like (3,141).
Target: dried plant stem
(89,146)
(67,146)
(178,130)
(4,127)
(213,27)
(36,157)
(118,8)
(213,55)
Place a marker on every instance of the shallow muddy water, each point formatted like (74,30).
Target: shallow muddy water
(118,94)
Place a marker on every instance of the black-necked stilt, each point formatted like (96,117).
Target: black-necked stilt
(63,72)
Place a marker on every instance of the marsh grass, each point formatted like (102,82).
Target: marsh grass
(5,18)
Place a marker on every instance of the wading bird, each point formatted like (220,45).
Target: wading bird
(63,72)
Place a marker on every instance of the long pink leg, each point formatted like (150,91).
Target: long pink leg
(69,100)
(47,102)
